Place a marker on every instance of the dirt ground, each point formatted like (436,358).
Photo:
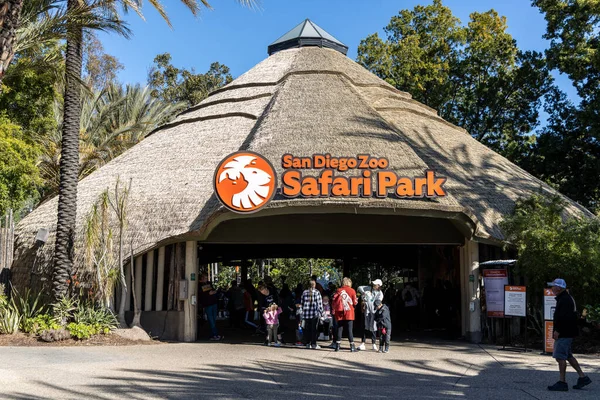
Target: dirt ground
(21,339)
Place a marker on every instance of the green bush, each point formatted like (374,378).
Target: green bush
(28,308)
(9,320)
(64,308)
(593,314)
(90,314)
(39,323)
(81,330)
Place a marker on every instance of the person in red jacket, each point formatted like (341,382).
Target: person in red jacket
(344,301)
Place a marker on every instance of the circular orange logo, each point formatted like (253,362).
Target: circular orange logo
(245,182)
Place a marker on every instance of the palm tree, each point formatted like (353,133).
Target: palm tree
(112,121)
(69,162)
(10,13)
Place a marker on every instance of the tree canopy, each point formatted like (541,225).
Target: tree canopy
(174,85)
(475,76)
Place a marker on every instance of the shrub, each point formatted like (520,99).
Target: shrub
(40,323)
(64,308)
(81,331)
(9,320)
(27,306)
(89,314)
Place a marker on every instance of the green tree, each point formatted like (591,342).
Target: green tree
(474,76)
(108,16)
(18,172)
(174,85)
(299,270)
(112,121)
(568,150)
(100,68)
(552,245)
(28,97)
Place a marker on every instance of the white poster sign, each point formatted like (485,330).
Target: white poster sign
(515,301)
(549,304)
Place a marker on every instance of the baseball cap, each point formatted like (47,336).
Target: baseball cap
(377,282)
(377,303)
(559,283)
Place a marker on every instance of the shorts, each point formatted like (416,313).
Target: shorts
(562,349)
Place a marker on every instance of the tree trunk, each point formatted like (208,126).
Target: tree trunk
(124,292)
(136,310)
(69,165)
(10,11)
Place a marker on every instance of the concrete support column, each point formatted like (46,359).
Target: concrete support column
(138,281)
(470,295)
(160,279)
(191,272)
(149,280)
(127,272)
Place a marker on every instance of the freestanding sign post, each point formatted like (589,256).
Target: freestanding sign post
(549,307)
(494,281)
(515,304)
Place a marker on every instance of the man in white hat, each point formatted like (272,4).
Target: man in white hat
(565,329)
(368,297)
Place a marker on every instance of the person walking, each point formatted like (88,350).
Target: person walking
(344,301)
(312,309)
(208,300)
(410,295)
(384,325)
(565,329)
(368,297)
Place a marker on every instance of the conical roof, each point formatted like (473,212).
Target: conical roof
(307,33)
(303,101)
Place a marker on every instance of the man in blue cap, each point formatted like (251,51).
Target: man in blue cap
(565,329)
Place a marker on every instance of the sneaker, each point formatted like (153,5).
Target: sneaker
(559,386)
(277,344)
(331,346)
(581,382)
(215,338)
(316,347)
(386,350)
(308,346)
(299,344)
(375,347)
(362,347)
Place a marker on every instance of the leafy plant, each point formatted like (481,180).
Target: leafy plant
(593,314)
(27,306)
(9,320)
(64,308)
(40,323)
(90,314)
(81,330)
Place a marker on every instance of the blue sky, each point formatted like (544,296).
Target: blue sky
(238,37)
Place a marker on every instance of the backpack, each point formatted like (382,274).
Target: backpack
(408,296)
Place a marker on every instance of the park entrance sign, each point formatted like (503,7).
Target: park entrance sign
(245,182)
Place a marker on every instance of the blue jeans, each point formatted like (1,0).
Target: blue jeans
(211,315)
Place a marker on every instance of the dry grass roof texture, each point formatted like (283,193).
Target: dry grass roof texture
(300,101)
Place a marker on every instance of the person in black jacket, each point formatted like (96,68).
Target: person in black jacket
(565,329)
(384,325)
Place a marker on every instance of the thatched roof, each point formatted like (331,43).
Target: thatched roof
(301,101)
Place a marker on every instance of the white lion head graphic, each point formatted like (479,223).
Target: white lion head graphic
(257,190)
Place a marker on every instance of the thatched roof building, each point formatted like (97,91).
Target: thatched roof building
(303,100)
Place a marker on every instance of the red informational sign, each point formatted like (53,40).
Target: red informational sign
(549,339)
(494,281)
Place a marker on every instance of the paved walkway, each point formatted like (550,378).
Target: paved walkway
(412,370)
